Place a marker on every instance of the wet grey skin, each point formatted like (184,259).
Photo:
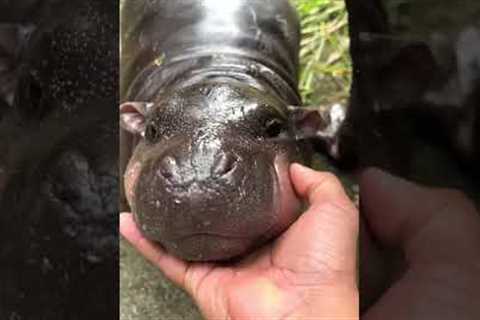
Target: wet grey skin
(208,131)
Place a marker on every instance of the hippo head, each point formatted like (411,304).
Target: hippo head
(208,178)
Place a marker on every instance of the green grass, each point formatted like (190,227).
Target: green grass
(325,62)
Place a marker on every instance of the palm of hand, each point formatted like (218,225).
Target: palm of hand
(254,288)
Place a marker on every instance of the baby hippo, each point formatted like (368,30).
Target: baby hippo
(208,127)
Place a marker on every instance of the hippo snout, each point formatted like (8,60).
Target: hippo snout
(210,199)
(206,168)
(224,163)
(179,168)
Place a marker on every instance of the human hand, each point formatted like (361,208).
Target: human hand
(438,231)
(308,272)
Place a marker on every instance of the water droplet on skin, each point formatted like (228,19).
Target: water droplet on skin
(46,265)
(253,70)
(70,231)
(93,258)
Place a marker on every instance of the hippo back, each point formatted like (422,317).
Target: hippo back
(163,31)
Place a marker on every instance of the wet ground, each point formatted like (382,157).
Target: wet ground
(146,295)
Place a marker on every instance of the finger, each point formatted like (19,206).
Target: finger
(172,268)
(319,187)
(425,222)
(324,239)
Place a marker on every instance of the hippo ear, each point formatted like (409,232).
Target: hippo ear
(132,116)
(317,122)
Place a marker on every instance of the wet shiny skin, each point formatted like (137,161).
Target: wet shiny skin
(208,177)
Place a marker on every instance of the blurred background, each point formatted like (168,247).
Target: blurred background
(325,61)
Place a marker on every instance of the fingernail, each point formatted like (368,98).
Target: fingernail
(124,215)
(301,168)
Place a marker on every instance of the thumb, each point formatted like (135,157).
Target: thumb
(324,239)
(425,222)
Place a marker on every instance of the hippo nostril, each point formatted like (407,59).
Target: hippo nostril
(168,167)
(224,164)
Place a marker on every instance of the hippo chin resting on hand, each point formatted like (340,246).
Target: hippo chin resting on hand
(208,125)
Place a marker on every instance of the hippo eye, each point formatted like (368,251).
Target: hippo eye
(273,128)
(152,134)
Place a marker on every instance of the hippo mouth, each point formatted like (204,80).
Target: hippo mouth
(210,235)
(226,238)
(211,246)
(231,229)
